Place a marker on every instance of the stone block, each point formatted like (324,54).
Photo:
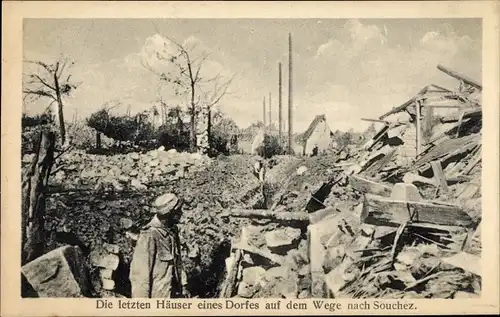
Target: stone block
(106,273)
(281,240)
(253,275)
(105,260)
(245,290)
(59,273)
(404,191)
(108,284)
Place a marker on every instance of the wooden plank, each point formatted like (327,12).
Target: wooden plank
(378,210)
(364,186)
(475,160)
(267,214)
(376,167)
(406,104)
(274,259)
(378,136)
(459,179)
(461,77)
(439,175)
(441,88)
(428,124)
(444,106)
(375,120)
(470,190)
(447,149)
(437,229)
(418,127)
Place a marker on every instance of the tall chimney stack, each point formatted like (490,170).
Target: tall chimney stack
(290,114)
(270,111)
(280,118)
(264,111)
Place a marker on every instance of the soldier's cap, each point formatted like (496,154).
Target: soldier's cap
(166,203)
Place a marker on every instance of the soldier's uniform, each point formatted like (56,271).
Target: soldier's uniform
(156,268)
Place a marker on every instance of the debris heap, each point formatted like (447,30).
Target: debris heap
(396,217)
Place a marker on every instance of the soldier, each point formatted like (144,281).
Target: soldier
(259,169)
(156,268)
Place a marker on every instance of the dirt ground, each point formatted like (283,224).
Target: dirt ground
(92,218)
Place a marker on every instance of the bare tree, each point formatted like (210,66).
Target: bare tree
(188,80)
(49,81)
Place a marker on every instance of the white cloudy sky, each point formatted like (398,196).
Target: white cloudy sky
(346,69)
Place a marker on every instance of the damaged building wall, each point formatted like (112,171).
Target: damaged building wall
(317,137)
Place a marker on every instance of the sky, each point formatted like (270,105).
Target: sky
(345,69)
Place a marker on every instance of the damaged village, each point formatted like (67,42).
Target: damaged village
(267,211)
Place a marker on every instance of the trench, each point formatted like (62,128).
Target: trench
(91,212)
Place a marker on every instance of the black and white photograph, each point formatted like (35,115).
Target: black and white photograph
(252,158)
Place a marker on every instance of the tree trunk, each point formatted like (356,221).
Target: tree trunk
(209,126)
(202,136)
(60,109)
(34,198)
(192,131)
(272,215)
(98,139)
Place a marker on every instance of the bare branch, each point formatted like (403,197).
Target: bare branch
(218,94)
(43,81)
(146,65)
(213,79)
(203,59)
(61,70)
(39,93)
(47,67)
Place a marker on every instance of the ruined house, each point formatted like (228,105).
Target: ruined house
(399,219)
(317,138)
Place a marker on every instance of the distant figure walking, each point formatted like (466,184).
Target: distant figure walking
(259,169)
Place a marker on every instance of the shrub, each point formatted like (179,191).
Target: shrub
(272,146)
(122,128)
(173,136)
(219,143)
(32,121)
(83,137)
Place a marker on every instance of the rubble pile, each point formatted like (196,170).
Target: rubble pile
(398,217)
(77,169)
(270,261)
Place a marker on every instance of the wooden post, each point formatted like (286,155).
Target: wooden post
(418,127)
(33,202)
(264,111)
(290,114)
(428,118)
(270,111)
(439,176)
(461,77)
(280,118)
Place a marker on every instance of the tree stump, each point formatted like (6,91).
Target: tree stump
(33,199)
